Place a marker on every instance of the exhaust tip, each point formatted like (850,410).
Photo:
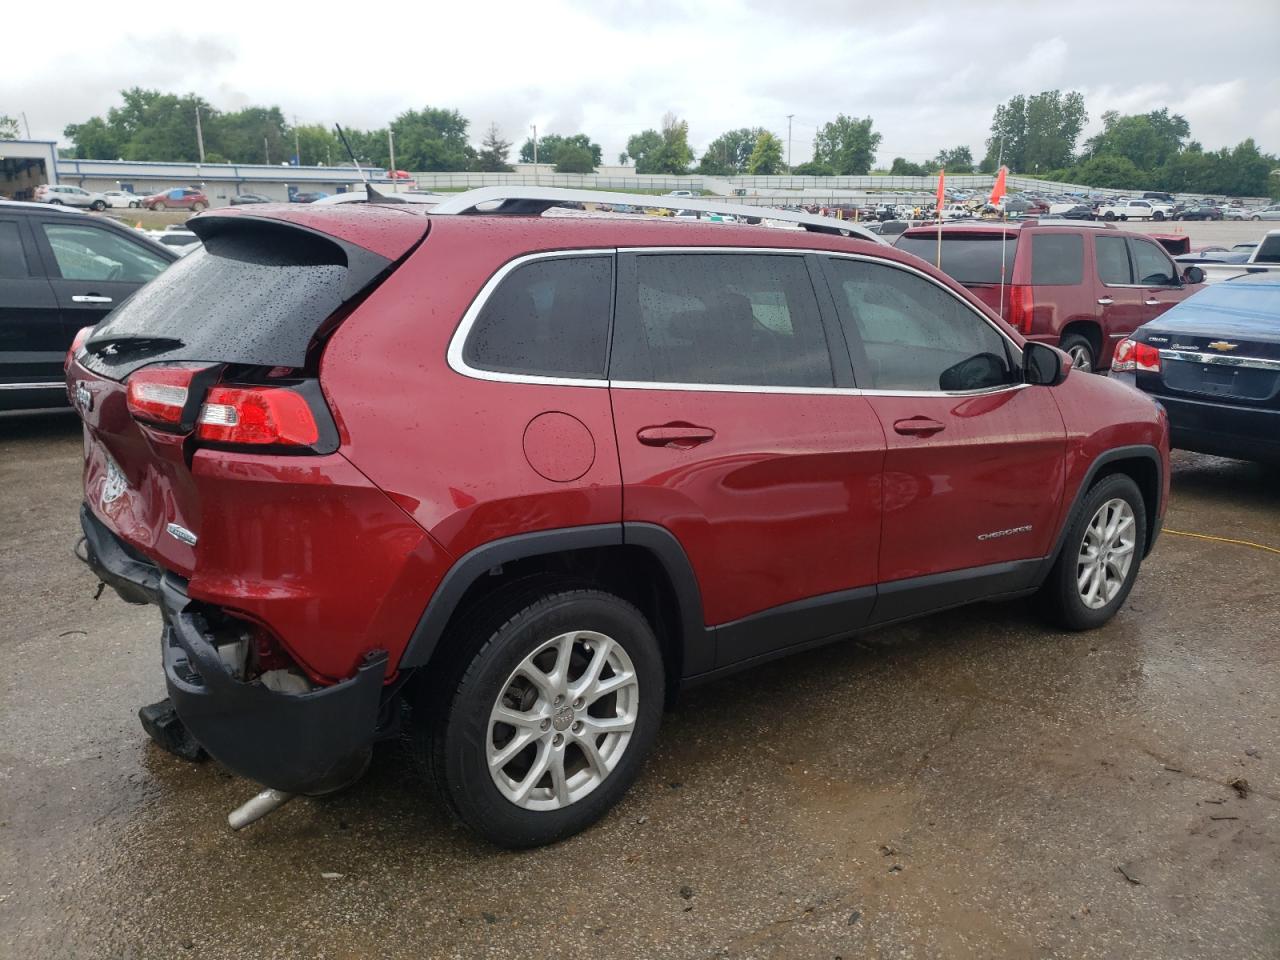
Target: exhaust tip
(257,807)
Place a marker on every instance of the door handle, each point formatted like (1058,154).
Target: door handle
(682,436)
(1153,303)
(90,298)
(917,427)
(1105,301)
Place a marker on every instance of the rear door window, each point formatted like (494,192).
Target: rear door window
(966,258)
(89,253)
(914,335)
(1113,260)
(548,318)
(1151,266)
(1057,259)
(732,319)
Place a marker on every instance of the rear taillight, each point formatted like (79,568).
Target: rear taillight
(76,343)
(1022,305)
(159,394)
(257,415)
(1133,355)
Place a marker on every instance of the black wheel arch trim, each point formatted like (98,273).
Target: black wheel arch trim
(1143,451)
(697,643)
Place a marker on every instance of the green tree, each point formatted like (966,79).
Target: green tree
(1036,133)
(93,140)
(549,148)
(1150,140)
(847,145)
(662,152)
(251,135)
(493,157)
(955,160)
(813,168)
(644,148)
(728,153)
(902,167)
(317,145)
(574,158)
(1116,173)
(8,127)
(766,159)
(432,139)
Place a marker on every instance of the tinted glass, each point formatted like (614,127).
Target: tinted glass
(966,258)
(547,318)
(87,253)
(253,296)
(1113,260)
(749,319)
(1057,259)
(1268,250)
(13,260)
(916,335)
(1151,265)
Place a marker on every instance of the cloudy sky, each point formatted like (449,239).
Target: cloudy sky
(929,73)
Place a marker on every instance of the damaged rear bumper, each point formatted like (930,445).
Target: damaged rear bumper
(312,742)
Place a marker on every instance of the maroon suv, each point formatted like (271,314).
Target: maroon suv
(180,198)
(1080,287)
(531,475)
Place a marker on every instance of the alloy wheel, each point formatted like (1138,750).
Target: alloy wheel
(1106,553)
(1081,357)
(562,720)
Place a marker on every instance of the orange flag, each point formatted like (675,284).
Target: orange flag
(942,192)
(998,191)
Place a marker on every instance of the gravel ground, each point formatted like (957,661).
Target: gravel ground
(973,784)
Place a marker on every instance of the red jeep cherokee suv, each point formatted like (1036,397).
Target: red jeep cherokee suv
(1080,287)
(531,475)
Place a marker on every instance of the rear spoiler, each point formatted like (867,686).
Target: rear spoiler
(1176,243)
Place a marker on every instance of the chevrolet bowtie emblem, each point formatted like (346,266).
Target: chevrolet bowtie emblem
(1222,345)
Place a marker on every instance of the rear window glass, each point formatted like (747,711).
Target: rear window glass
(1269,250)
(966,258)
(1057,259)
(548,318)
(251,297)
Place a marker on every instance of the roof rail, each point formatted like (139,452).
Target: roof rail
(532,201)
(1068,222)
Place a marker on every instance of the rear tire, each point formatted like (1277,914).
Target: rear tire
(518,654)
(1100,556)
(1081,352)
(197,207)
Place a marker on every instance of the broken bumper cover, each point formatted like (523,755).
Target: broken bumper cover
(311,742)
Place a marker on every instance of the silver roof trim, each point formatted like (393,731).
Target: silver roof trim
(531,201)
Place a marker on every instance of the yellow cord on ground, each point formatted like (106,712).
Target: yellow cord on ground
(1205,536)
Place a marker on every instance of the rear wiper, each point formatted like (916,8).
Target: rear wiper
(114,344)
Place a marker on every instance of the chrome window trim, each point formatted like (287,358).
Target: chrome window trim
(459,338)
(1221,359)
(458,342)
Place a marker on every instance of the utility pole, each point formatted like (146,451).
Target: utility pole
(199,134)
(789,116)
(391,147)
(25,124)
(535,153)
(266,153)
(297,150)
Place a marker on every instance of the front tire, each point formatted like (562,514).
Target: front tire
(98,206)
(1255,217)
(548,717)
(159,205)
(1100,557)
(1159,215)
(1109,216)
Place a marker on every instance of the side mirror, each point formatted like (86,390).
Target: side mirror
(1193,274)
(1042,365)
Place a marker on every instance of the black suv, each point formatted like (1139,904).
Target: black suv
(60,270)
